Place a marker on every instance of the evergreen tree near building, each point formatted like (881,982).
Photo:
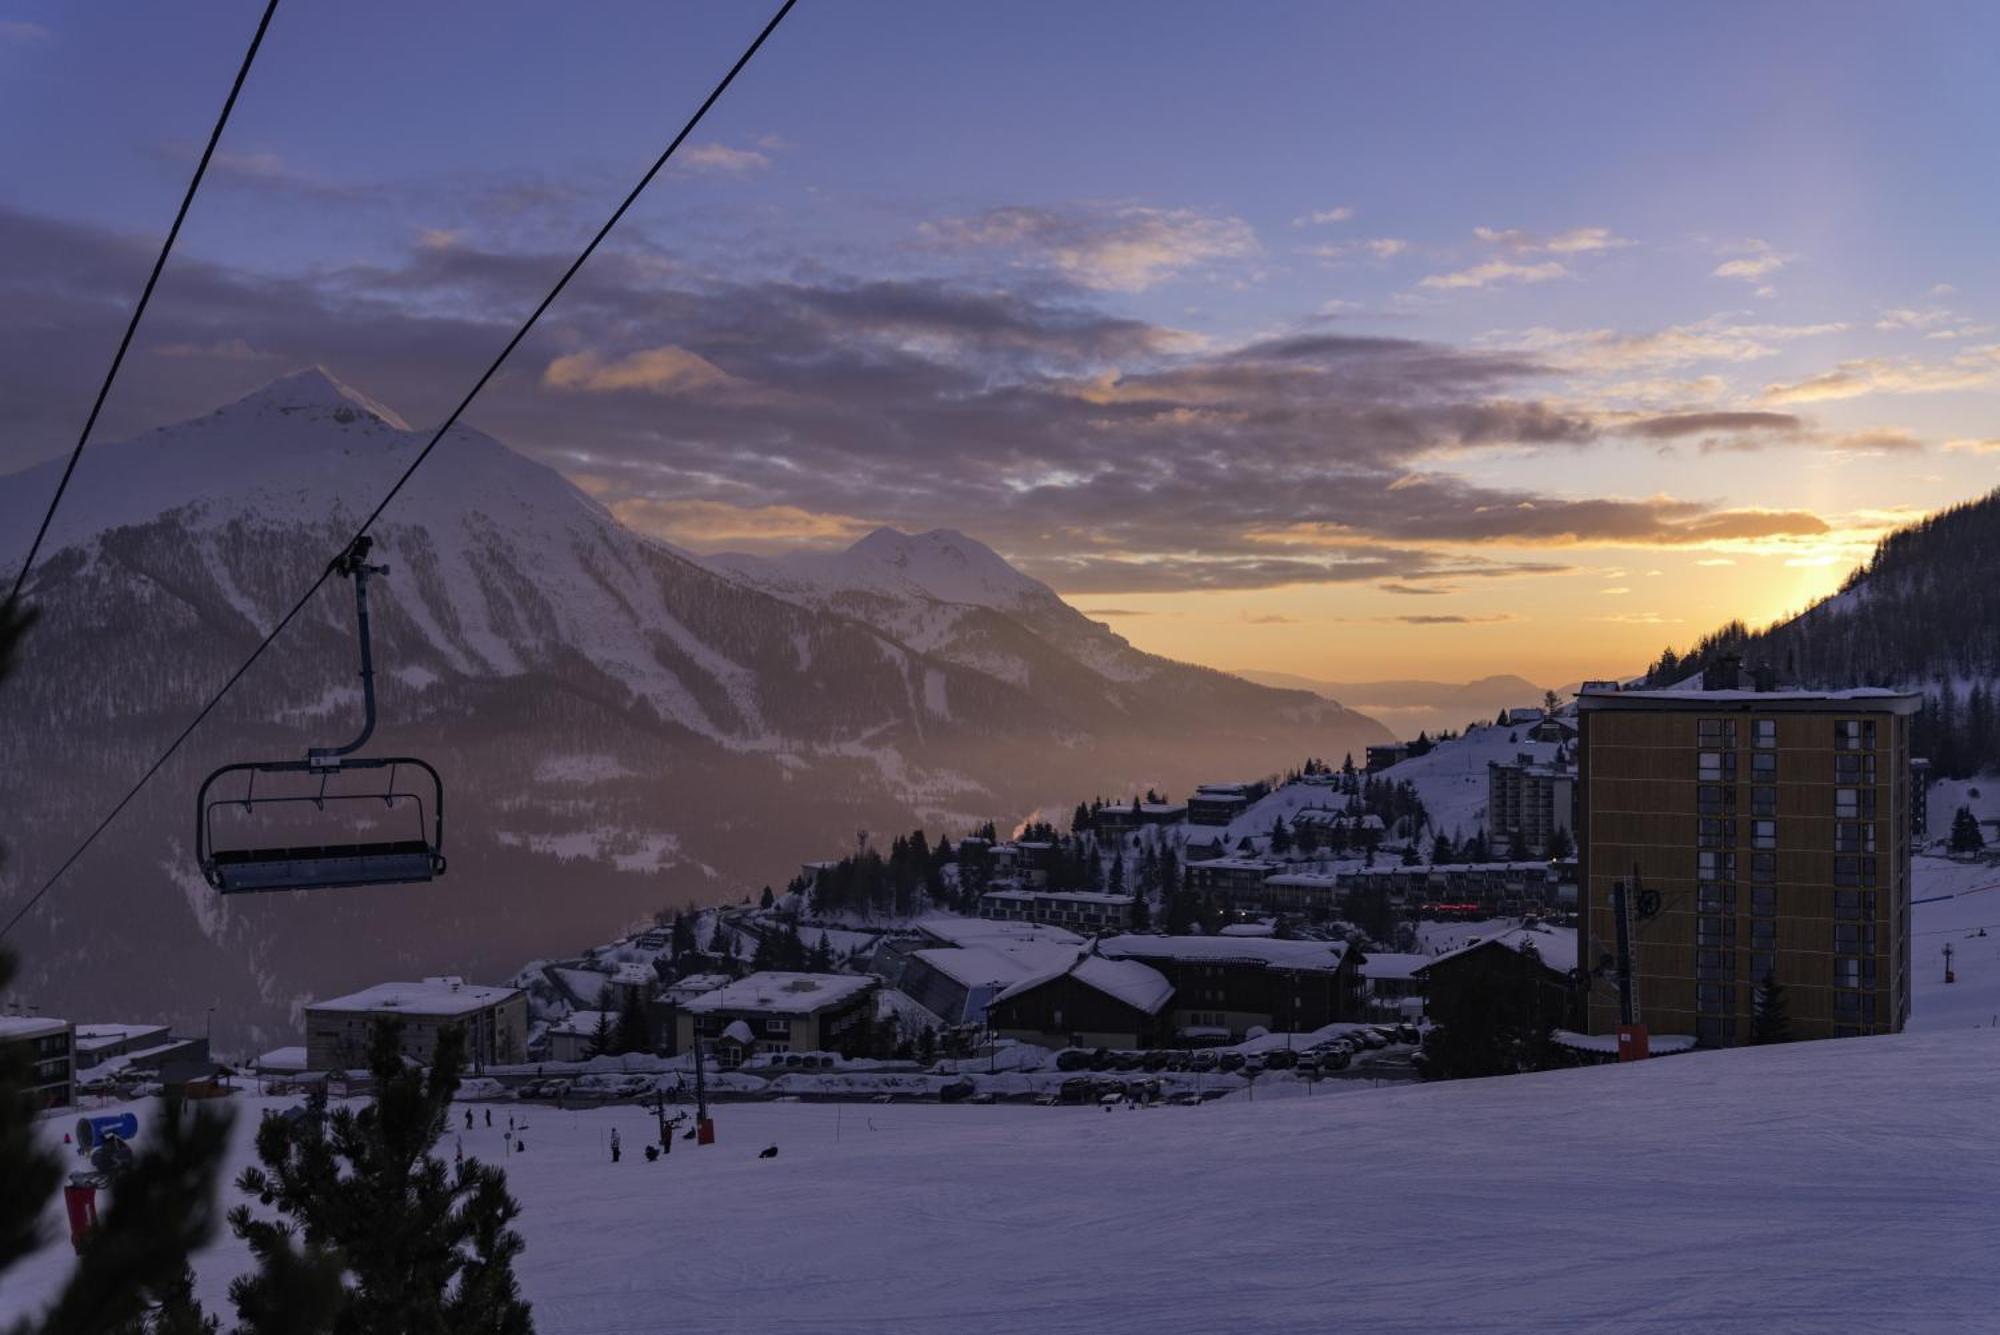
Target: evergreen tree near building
(1561,845)
(394,1238)
(1410,856)
(633,1033)
(821,958)
(1771,1020)
(1965,833)
(683,935)
(1281,838)
(766,899)
(1517,846)
(603,1039)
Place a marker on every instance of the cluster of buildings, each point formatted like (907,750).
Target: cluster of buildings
(63,1058)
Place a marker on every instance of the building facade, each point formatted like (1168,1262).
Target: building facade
(1756,833)
(47,1047)
(776,1011)
(1082,910)
(1528,801)
(495,1021)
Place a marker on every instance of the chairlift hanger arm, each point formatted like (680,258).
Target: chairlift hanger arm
(353,564)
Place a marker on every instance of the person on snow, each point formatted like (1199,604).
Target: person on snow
(468,1119)
(614,1145)
(489,1118)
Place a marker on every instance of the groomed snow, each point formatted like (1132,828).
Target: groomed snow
(1845,1185)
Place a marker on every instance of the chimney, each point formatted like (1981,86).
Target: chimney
(1725,673)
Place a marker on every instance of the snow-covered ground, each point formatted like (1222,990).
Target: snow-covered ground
(1955,902)
(1822,1186)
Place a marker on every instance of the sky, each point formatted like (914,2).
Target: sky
(1358,341)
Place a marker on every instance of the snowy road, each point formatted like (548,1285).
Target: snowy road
(1830,1186)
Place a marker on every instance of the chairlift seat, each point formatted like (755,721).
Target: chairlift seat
(323,866)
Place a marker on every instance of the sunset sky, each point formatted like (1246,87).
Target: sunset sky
(1429,340)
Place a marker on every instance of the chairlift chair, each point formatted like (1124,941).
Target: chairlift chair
(416,857)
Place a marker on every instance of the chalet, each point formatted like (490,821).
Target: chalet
(1124,818)
(778,1012)
(1535,957)
(1225,985)
(107,1051)
(1088,1002)
(1390,987)
(663,1009)
(1085,910)
(955,966)
(574,1037)
(494,1020)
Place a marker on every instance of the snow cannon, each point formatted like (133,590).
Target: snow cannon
(91,1131)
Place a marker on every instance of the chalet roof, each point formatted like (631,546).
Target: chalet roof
(1313,956)
(781,993)
(1555,946)
(1136,985)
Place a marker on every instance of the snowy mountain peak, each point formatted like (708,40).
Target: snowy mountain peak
(314,392)
(951,567)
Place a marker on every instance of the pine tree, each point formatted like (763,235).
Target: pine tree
(766,899)
(683,935)
(1281,838)
(1771,1021)
(1965,833)
(603,1039)
(414,1244)
(1561,845)
(633,1033)
(821,959)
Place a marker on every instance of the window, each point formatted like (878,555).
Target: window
(1849,971)
(1715,732)
(1764,733)
(1713,866)
(1763,868)
(1853,871)
(1853,804)
(1763,900)
(1764,766)
(1715,965)
(1713,766)
(1857,904)
(1714,998)
(1763,934)
(1713,799)
(1711,898)
(1854,735)
(1854,938)
(1764,834)
(1858,838)
(1714,931)
(1763,966)
(1763,801)
(778,1027)
(1714,833)
(1854,767)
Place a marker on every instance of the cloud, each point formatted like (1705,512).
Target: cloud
(1417,590)
(1876,440)
(1267,619)
(1380,247)
(1640,619)
(1451,619)
(1673,426)
(1720,338)
(1105,454)
(664,370)
(721,158)
(1119,612)
(1338,214)
(1974,368)
(1576,241)
(1758,261)
(1964,446)
(1715,561)
(19,32)
(1123,249)
(1496,271)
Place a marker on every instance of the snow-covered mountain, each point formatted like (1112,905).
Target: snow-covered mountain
(620,726)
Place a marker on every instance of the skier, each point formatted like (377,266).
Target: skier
(614,1145)
(489,1118)
(468,1119)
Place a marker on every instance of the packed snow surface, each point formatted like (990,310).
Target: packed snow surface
(1844,1185)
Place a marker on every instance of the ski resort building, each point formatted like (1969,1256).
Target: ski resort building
(1535,959)
(1529,801)
(1221,803)
(1468,889)
(776,1012)
(1226,985)
(495,1021)
(1089,1001)
(1117,819)
(1755,833)
(1085,910)
(46,1047)
(1239,881)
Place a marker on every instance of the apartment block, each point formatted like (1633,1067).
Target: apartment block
(1757,832)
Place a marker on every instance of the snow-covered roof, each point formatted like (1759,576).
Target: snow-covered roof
(1639,699)
(1304,880)
(1456,868)
(290,1058)
(96,1037)
(1555,945)
(739,1032)
(1239,864)
(979,966)
(1387,965)
(432,996)
(957,931)
(780,993)
(29,1026)
(582,1022)
(1221,790)
(695,984)
(1319,956)
(634,975)
(1129,981)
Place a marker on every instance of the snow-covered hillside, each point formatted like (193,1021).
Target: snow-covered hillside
(1841,1185)
(621,727)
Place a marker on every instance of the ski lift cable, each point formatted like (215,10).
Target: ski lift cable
(145,296)
(492,369)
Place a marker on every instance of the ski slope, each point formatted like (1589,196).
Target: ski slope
(1841,1185)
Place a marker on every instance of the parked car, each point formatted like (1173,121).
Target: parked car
(1253,1064)
(1281,1059)
(1202,1061)
(1072,1059)
(1229,1061)
(1155,1061)
(956,1091)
